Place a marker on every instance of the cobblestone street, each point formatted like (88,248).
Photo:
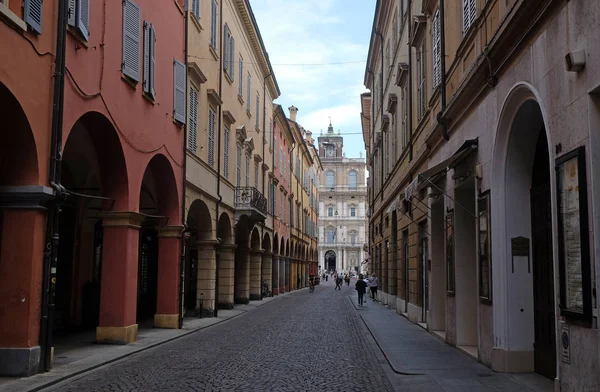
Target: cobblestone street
(302,341)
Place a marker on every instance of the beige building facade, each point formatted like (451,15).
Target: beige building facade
(504,139)
(342,207)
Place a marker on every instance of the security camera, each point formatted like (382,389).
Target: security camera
(575,60)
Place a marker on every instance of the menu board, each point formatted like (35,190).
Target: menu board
(569,216)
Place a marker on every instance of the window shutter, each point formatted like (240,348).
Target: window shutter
(226,153)
(213,25)
(32,12)
(83,18)
(436,50)
(193,124)
(196,8)
(153,63)
(179,75)
(472,12)
(466,20)
(241,81)
(146,82)
(72,11)
(248,94)
(131,40)
(211,137)
(257,111)
(232,57)
(226,59)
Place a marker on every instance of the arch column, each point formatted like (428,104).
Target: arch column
(255,274)
(282,274)
(267,270)
(287,263)
(226,255)
(275,275)
(207,266)
(167,299)
(118,296)
(242,284)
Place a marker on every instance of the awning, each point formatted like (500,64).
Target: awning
(435,172)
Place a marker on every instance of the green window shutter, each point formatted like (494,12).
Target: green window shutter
(32,13)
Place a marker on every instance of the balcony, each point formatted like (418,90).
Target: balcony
(250,202)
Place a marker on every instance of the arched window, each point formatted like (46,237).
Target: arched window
(330,179)
(352,180)
(330,235)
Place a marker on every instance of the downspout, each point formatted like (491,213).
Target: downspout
(183,235)
(220,197)
(440,116)
(52,235)
(381,107)
(410,85)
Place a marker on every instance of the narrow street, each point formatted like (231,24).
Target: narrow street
(299,342)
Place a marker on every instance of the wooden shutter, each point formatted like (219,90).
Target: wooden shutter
(226,58)
(257,110)
(248,93)
(83,18)
(213,25)
(465,16)
(436,50)
(131,40)
(226,153)
(153,63)
(72,11)
(232,57)
(179,75)
(196,8)
(32,13)
(146,81)
(211,137)
(193,124)
(241,81)
(472,12)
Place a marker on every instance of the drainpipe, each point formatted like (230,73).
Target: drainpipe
(410,85)
(52,232)
(184,234)
(381,106)
(440,116)
(220,197)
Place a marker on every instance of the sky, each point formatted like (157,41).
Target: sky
(299,34)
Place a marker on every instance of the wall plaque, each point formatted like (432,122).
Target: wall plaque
(565,343)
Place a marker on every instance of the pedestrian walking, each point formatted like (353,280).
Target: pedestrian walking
(373,284)
(361,289)
(348,280)
(338,283)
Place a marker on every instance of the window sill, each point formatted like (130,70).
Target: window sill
(129,81)
(258,130)
(78,36)
(213,52)
(149,99)
(196,22)
(226,73)
(248,113)
(240,99)
(11,17)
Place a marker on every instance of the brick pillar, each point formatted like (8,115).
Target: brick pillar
(226,275)
(267,271)
(287,263)
(119,288)
(242,275)
(22,237)
(255,274)
(282,274)
(275,280)
(169,256)
(207,264)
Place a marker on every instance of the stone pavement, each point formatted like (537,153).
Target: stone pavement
(422,362)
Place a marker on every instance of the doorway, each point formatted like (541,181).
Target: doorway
(406,269)
(423,267)
(191,282)
(543,276)
(330,261)
(147,275)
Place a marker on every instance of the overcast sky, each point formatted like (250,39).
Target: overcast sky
(298,33)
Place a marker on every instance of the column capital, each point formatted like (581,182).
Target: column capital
(121,219)
(170,231)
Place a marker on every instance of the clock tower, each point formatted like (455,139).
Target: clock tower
(331,145)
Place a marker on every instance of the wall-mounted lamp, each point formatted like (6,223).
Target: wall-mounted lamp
(575,60)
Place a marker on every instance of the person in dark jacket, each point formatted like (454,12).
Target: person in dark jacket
(361,288)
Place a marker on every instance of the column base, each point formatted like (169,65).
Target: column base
(19,362)
(241,300)
(225,305)
(117,335)
(255,297)
(167,321)
(275,291)
(286,288)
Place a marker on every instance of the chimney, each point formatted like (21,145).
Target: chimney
(293,111)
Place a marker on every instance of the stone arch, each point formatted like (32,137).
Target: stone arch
(200,221)
(224,229)
(243,231)
(522,123)
(159,193)
(287,247)
(282,247)
(276,244)
(255,239)
(266,242)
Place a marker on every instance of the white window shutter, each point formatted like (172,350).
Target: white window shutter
(257,111)
(196,8)
(226,153)
(83,18)
(146,81)
(131,40)
(248,93)
(72,10)
(193,124)
(32,14)
(465,15)
(472,12)
(226,50)
(232,57)
(241,81)
(436,50)
(211,137)
(179,76)
(153,62)
(213,25)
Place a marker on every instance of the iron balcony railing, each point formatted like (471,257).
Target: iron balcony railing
(250,197)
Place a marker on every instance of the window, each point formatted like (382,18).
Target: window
(247,170)
(193,125)
(196,8)
(405,109)
(352,211)
(274,199)
(256,174)
(227,52)
(131,40)
(79,16)
(149,83)
(469,14)
(437,42)
(211,137)
(213,25)
(353,238)
(226,152)
(249,83)
(329,211)
(238,174)
(421,80)
(32,14)
(179,78)
(257,110)
(241,79)
(330,180)
(330,235)
(485,262)
(396,31)
(352,180)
